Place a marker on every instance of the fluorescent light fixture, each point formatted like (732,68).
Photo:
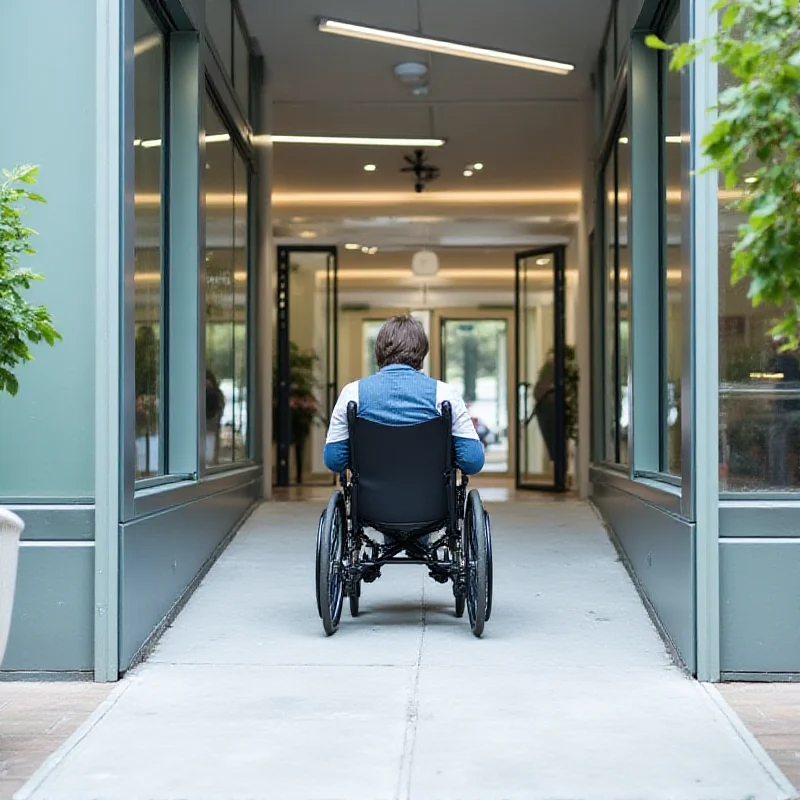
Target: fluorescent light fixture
(363,141)
(542,262)
(623,140)
(147,43)
(369,168)
(308,235)
(442,46)
(210,139)
(673,139)
(373,250)
(352,246)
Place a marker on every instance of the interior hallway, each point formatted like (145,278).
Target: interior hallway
(570,694)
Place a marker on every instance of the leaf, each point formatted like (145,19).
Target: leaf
(652,41)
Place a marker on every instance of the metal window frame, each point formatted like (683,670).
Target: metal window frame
(283,304)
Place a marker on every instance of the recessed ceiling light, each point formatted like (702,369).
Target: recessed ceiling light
(751,179)
(478,166)
(365,249)
(373,250)
(443,46)
(352,246)
(468,173)
(542,261)
(370,167)
(623,140)
(308,235)
(363,141)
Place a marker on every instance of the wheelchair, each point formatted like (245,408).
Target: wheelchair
(402,486)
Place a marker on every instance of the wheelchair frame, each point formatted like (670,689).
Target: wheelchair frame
(456,548)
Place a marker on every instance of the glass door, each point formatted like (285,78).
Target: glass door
(306,369)
(541,453)
(473,360)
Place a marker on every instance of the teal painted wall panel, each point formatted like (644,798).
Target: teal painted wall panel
(53,624)
(47,60)
(760,606)
(660,550)
(160,555)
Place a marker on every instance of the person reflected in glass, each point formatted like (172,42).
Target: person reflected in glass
(784,369)
(215,405)
(401,394)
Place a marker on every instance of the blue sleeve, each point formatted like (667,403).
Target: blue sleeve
(337,456)
(469,455)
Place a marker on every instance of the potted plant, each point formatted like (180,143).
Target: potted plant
(303,403)
(21,324)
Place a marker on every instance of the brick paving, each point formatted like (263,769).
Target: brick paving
(35,720)
(771,712)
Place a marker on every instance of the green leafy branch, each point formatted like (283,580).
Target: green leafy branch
(21,324)
(757,123)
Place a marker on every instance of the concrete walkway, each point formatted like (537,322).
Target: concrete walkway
(569,696)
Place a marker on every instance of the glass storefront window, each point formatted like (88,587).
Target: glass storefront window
(150,148)
(610,273)
(623,282)
(759,394)
(672,327)
(226,260)
(617,190)
(241,351)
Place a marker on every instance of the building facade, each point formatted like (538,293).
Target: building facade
(139,444)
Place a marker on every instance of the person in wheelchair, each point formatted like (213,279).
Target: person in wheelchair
(398,440)
(399,394)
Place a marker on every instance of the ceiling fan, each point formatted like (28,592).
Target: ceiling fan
(423,171)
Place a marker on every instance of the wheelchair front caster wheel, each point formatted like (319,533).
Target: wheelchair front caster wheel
(461,603)
(355,599)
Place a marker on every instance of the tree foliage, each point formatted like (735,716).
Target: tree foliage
(755,143)
(21,323)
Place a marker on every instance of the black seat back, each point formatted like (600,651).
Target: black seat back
(402,474)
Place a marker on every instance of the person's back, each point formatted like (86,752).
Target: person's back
(399,394)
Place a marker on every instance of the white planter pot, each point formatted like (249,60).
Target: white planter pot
(11,527)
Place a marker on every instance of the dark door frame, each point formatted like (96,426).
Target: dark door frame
(282,352)
(558,252)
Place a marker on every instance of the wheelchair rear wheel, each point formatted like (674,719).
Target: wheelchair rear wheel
(477,557)
(330,563)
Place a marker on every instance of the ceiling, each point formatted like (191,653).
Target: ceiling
(528,128)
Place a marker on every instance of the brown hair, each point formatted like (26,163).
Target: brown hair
(401,340)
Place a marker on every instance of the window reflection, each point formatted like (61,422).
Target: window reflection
(226,262)
(672,319)
(149,82)
(617,276)
(623,317)
(610,274)
(759,384)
